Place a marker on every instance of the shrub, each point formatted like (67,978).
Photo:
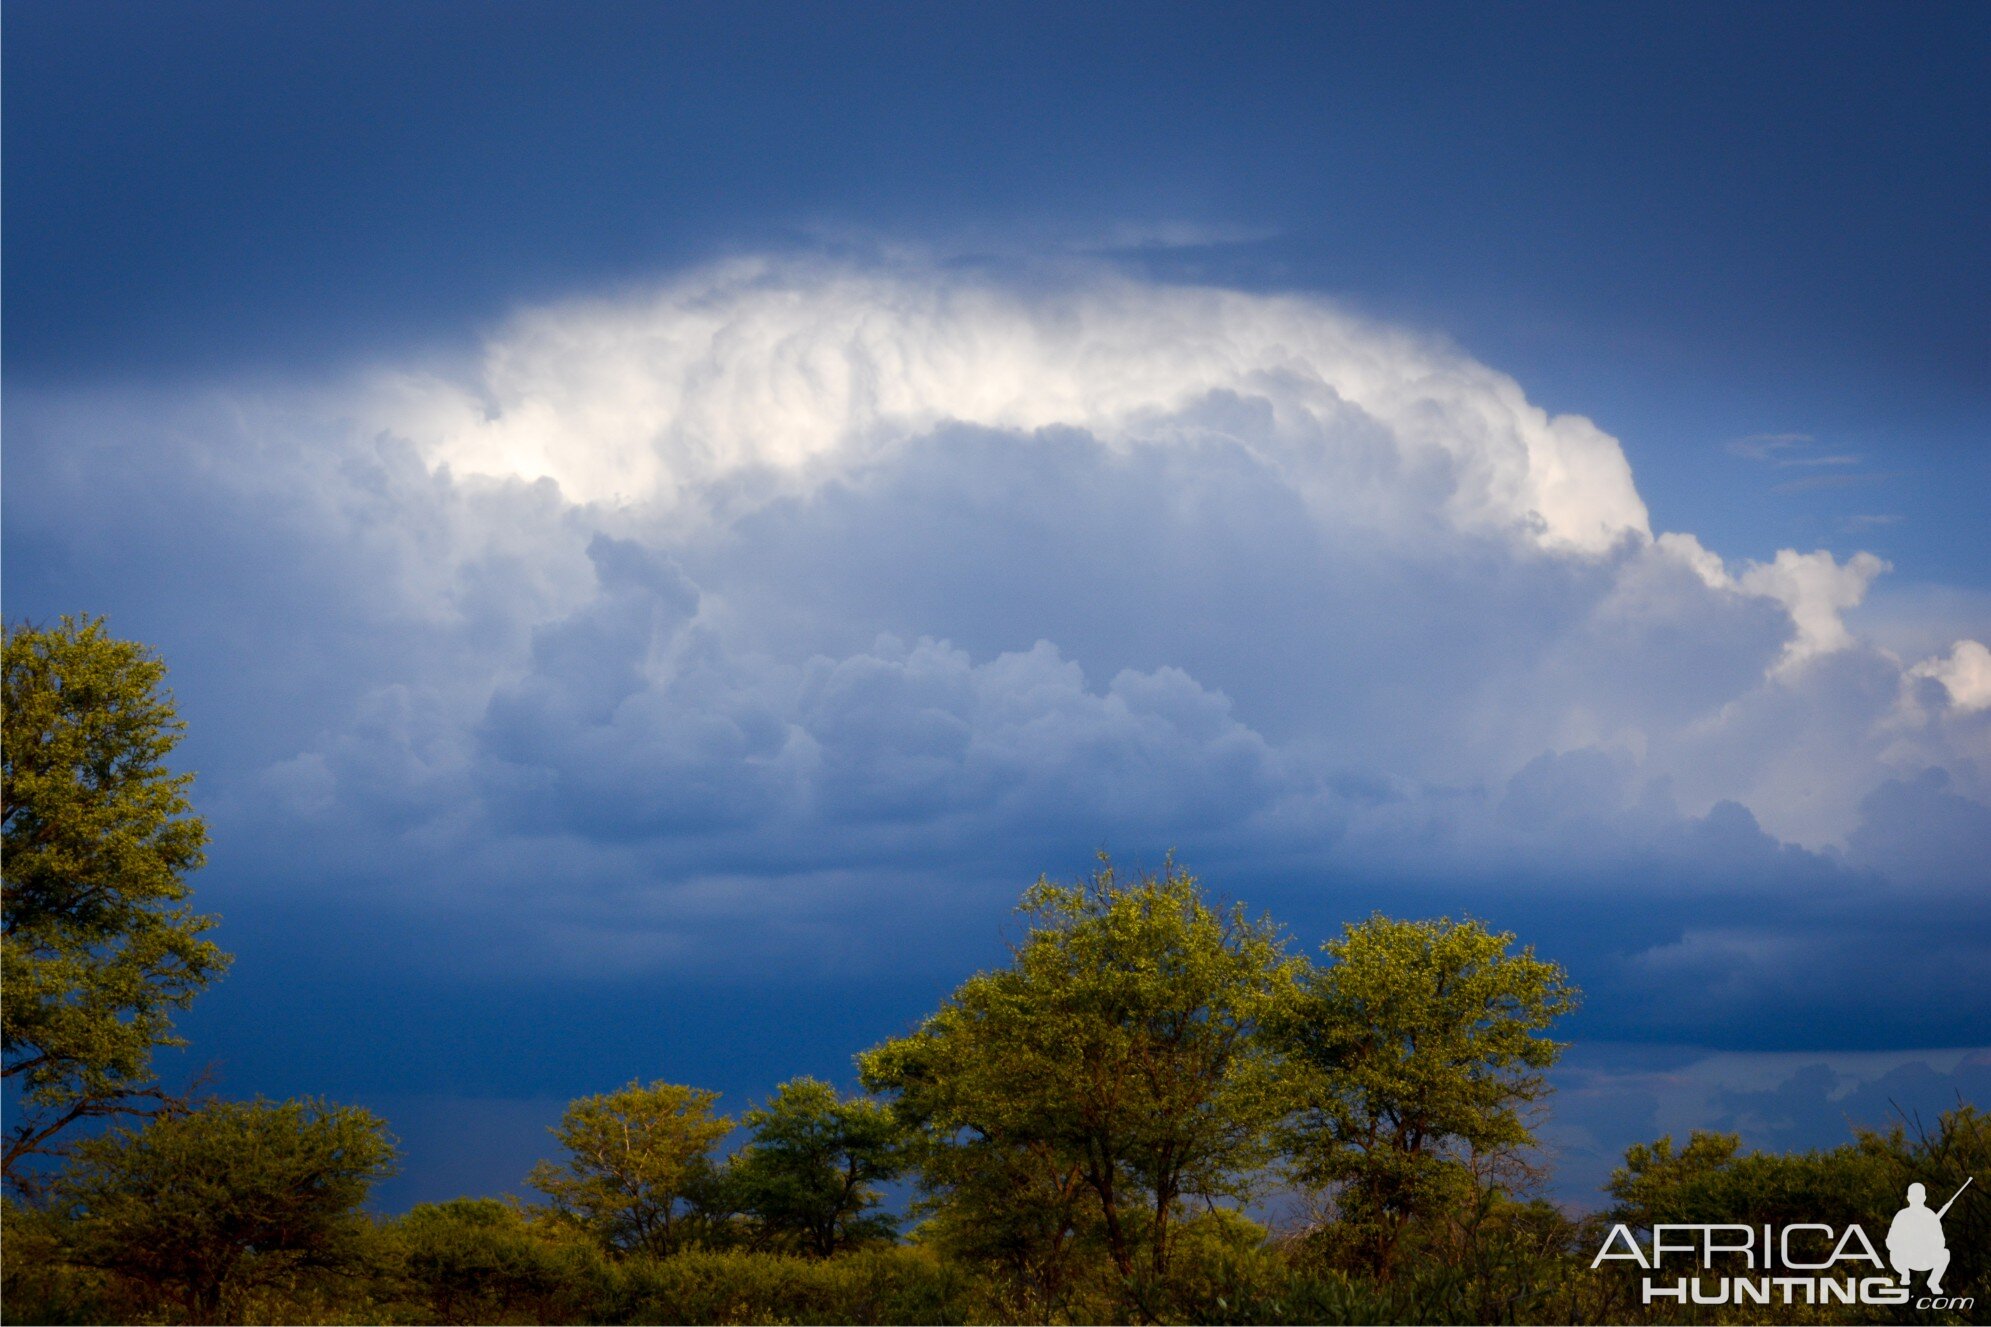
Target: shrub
(481,1260)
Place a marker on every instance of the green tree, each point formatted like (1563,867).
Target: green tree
(208,1203)
(811,1170)
(638,1159)
(1019,1208)
(1413,1055)
(99,948)
(1111,1073)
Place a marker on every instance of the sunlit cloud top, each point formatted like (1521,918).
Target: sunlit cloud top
(767,371)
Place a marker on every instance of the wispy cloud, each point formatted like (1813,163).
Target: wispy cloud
(1769,446)
(1150,235)
(1788,449)
(1812,483)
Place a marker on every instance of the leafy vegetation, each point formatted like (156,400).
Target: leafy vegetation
(1112,1071)
(1088,1128)
(209,1203)
(808,1180)
(639,1161)
(98,947)
(1414,1054)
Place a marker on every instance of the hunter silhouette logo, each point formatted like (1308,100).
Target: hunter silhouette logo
(1915,1240)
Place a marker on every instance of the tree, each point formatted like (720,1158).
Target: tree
(1413,1056)
(231,1195)
(99,947)
(637,1160)
(810,1171)
(1112,1069)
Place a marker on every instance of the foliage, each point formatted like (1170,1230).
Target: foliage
(204,1204)
(97,947)
(639,1160)
(481,1260)
(1107,1076)
(870,1285)
(1022,1215)
(809,1175)
(1499,1261)
(1712,1180)
(39,1282)
(1414,1053)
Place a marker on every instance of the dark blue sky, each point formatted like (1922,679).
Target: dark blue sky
(1744,191)
(521,794)
(1682,220)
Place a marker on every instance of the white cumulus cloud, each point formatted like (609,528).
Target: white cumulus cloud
(767,376)
(1965,674)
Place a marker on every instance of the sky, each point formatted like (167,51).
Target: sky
(664,519)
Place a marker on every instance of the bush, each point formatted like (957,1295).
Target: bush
(891,1285)
(481,1260)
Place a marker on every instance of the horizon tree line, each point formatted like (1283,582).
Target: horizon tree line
(1085,1127)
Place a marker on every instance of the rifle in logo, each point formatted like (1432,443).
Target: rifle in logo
(1915,1240)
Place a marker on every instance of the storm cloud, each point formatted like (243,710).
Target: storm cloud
(734,621)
